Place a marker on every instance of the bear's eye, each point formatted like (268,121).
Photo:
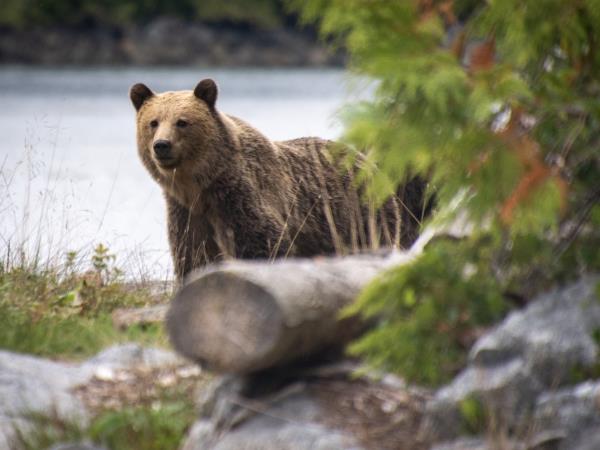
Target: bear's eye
(181,123)
(153,123)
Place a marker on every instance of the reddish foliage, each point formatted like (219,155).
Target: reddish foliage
(536,171)
(483,56)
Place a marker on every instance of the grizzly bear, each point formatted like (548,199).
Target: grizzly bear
(233,193)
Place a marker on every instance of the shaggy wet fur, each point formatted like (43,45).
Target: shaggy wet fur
(233,193)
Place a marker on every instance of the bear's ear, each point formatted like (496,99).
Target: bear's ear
(207,90)
(138,94)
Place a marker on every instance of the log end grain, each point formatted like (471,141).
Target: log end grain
(225,322)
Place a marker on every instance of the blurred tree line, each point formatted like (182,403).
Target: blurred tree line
(76,13)
(497,103)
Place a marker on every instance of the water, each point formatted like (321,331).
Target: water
(70,177)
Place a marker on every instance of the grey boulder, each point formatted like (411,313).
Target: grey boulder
(35,387)
(530,352)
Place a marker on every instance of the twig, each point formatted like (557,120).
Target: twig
(583,216)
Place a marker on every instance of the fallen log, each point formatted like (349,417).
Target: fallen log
(245,316)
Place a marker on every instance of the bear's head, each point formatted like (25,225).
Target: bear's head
(182,139)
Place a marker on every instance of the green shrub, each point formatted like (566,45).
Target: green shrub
(161,427)
(497,103)
(65,311)
(429,311)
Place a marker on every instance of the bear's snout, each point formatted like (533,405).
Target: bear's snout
(162,149)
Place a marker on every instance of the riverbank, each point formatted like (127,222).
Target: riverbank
(167,41)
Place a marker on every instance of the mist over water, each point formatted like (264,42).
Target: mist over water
(70,177)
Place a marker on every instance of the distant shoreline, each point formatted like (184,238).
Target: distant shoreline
(167,42)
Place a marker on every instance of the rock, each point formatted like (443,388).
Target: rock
(84,445)
(573,412)
(31,386)
(292,423)
(508,391)
(552,335)
(132,355)
(567,419)
(462,444)
(323,410)
(589,440)
(531,351)
(166,41)
(477,443)
(54,46)
(11,428)
(288,419)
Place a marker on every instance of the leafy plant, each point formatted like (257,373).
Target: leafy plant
(103,263)
(157,428)
(162,427)
(498,104)
(473,415)
(65,311)
(430,311)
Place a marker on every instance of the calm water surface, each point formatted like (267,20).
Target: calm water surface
(69,173)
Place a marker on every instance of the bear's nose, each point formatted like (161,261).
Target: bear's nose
(162,148)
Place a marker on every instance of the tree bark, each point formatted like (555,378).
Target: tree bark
(245,316)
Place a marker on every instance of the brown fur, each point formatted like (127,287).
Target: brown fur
(231,192)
